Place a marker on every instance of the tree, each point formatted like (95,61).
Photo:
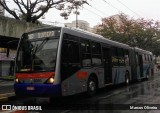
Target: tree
(32,10)
(140,33)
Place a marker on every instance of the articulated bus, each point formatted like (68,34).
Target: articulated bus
(142,64)
(61,61)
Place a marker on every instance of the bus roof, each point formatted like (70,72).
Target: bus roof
(94,37)
(142,51)
(85,34)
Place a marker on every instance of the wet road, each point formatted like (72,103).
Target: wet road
(116,97)
(6,86)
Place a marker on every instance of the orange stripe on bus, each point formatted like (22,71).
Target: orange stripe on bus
(82,75)
(34,75)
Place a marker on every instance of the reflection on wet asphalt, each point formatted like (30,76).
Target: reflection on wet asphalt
(144,92)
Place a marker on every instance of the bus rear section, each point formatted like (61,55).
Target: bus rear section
(142,63)
(35,70)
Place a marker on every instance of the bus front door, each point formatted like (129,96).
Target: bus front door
(107,66)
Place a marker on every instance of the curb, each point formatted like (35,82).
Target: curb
(6,97)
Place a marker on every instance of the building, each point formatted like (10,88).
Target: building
(7,63)
(10,32)
(4,60)
(84,25)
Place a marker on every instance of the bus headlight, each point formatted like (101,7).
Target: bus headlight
(17,80)
(51,80)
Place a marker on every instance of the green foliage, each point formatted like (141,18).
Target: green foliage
(140,33)
(32,10)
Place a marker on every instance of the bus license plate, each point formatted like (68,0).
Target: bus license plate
(30,88)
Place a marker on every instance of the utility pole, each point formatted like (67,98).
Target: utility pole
(76,18)
(77,3)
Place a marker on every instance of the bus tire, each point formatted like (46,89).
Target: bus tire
(91,86)
(127,78)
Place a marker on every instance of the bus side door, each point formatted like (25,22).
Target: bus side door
(107,65)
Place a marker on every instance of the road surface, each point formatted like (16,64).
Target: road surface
(141,97)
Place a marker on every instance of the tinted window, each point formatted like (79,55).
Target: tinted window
(96,54)
(70,60)
(70,50)
(96,48)
(114,56)
(126,57)
(150,57)
(121,56)
(85,52)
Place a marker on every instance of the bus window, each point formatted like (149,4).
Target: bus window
(96,54)
(126,56)
(137,61)
(85,52)
(70,50)
(114,56)
(121,56)
(143,57)
(151,58)
(148,58)
(70,56)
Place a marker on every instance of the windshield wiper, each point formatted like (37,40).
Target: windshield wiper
(36,48)
(41,45)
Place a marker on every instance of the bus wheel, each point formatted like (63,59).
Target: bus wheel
(91,86)
(127,78)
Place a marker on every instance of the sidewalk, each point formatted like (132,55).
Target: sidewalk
(6,90)
(6,96)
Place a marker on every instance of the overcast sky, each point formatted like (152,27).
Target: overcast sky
(148,9)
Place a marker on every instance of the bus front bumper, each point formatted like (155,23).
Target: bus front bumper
(37,90)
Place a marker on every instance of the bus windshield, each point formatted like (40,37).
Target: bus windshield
(36,55)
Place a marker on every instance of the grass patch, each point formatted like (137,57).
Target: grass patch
(7,77)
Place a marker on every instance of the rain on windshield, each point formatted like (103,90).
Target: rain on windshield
(37,54)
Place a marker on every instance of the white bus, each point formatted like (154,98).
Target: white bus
(59,61)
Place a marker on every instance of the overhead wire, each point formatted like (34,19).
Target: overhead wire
(102,11)
(93,12)
(112,5)
(98,10)
(128,8)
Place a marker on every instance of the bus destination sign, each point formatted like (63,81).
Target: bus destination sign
(44,34)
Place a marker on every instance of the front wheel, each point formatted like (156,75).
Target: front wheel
(91,86)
